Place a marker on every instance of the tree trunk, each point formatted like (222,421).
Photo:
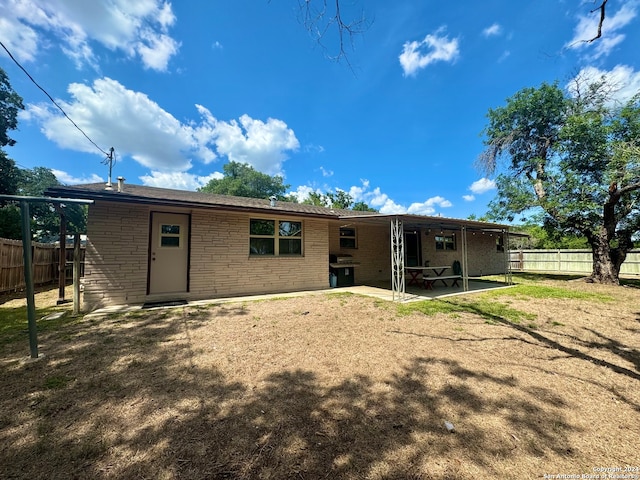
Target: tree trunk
(605,269)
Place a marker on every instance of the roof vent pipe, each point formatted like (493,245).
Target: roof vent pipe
(121,184)
(273,200)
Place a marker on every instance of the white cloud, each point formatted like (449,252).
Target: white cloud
(67,179)
(389,207)
(468,198)
(136,28)
(133,124)
(482,186)
(623,78)
(21,41)
(302,192)
(375,198)
(429,206)
(492,31)
(315,149)
(325,172)
(381,201)
(178,180)
(157,51)
(136,126)
(587,28)
(506,54)
(260,144)
(435,47)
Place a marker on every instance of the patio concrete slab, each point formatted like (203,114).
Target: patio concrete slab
(382,292)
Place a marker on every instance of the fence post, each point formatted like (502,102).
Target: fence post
(76,274)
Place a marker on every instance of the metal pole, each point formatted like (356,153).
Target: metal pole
(62,261)
(465,260)
(76,274)
(28,278)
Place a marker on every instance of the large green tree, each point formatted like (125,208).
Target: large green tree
(45,218)
(574,156)
(243,180)
(10,105)
(337,199)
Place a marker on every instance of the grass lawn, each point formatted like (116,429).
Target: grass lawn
(542,378)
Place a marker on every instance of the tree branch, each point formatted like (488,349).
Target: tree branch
(602,9)
(318,20)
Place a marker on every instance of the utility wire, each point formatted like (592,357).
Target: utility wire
(52,100)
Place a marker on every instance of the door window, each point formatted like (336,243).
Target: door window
(169,236)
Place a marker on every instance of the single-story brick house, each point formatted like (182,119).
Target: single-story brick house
(147,244)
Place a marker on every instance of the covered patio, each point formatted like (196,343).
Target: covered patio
(436,256)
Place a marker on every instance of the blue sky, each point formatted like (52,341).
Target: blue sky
(179,89)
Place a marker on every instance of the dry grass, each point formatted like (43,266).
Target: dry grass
(541,379)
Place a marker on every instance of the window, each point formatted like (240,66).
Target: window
(275,237)
(170,236)
(348,238)
(500,243)
(445,242)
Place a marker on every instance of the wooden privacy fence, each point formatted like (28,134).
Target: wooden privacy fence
(45,264)
(566,261)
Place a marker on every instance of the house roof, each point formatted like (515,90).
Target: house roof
(164,196)
(181,198)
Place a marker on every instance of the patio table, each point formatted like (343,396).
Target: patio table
(414,272)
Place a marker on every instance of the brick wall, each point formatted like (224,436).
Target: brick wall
(116,255)
(373,252)
(482,254)
(484,257)
(220,264)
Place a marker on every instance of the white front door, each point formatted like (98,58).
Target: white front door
(169,253)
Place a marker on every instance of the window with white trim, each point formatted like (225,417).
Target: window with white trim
(275,237)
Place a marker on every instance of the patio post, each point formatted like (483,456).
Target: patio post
(397,259)
(508,279)
(465,260)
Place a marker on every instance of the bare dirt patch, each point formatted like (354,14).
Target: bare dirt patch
(332,386)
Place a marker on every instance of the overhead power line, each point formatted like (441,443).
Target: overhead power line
(52,100)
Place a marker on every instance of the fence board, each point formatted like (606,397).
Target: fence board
(566,261)
(45,264)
